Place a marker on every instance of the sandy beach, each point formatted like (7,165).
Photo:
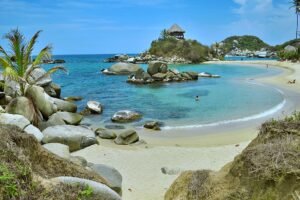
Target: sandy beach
(189,149)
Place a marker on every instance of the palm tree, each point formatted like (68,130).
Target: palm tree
(296,5)
(17,64)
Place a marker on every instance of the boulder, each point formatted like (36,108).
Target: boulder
(114,126)
(54,120)
(139,74)
(56,88)
(65,105)
(68,118)
(94,106)
(75,137)
(163,69)
(193,75)
(41,100)
(152,125)
(50,91)
(111,175)
(22,106)
(127,137)
(146,76)
(38,77)
(101,191)
(124,116)
(105,134)
(124,68)
(58,149)
(155,67)
(30,129)
(12,88)
(186,76)
(159,76)
(16,120)
(73,98)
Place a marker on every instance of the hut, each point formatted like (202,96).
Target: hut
(176,31)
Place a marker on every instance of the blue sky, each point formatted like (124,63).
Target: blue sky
(129,26)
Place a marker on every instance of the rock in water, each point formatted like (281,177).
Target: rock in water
(152,125)
(94,106)
(124,116)
(42,100)
(105,134)
(75,137)
(16,120)
(23,106)
(60,150)
(155,67)
(111,175)
(123,69)
(127,137)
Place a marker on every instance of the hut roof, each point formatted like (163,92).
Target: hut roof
(176,28)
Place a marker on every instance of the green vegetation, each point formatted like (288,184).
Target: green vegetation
(267,169)
(249,42)
(87,192)
(168,46)
(18,64)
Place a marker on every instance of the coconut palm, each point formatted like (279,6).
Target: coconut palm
(296,5)
(17,63)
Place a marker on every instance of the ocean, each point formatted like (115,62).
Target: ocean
(234,96)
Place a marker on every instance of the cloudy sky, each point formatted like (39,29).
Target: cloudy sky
(129,26)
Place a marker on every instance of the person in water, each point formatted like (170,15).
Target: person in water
(197,98)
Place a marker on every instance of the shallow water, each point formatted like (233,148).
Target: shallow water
(234,96)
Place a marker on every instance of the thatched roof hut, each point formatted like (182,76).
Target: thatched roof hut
(176,31)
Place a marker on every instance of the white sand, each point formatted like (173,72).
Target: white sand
(188,149)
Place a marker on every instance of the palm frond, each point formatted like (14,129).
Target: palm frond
(45,54)
(51,71)
(30,45)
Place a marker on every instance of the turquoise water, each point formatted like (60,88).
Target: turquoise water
(234,96)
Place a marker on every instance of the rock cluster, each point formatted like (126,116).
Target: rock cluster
(158,72)
(121,69)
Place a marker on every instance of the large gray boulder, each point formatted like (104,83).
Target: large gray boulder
(94,107)
(39,77)
(54,120)
(124,68)
(42,100)
(155,67)
(124,116)
(75,137)
(16,120)
(102,191)
(127,137)
(58,149)
(68,118)
(22,106)
(65,105)
(32,130)
(111,175)
(159,76)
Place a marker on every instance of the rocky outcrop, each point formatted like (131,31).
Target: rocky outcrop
(65,105)
(122,69)
(75,137)
(68,118)
(58,149)
(267,169)
(127,137)
(30,129)
(124,116)
(54,120)
(159,72)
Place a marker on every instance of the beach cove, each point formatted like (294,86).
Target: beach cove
(177,150)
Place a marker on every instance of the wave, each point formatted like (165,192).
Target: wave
(252,117)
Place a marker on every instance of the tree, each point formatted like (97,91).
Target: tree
(164,34)
(296,5)
(17,63)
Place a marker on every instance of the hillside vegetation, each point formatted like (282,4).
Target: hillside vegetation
(268,168)
(249,42)
(26,169)
(188,49)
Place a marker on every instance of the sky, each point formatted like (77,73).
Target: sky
(129,26)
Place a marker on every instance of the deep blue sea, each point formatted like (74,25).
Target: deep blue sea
(234,96)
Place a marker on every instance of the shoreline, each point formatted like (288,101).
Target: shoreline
(187,149)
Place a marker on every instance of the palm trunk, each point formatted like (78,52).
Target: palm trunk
(297,25)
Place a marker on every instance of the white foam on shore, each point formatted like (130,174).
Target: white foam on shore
(252,117)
